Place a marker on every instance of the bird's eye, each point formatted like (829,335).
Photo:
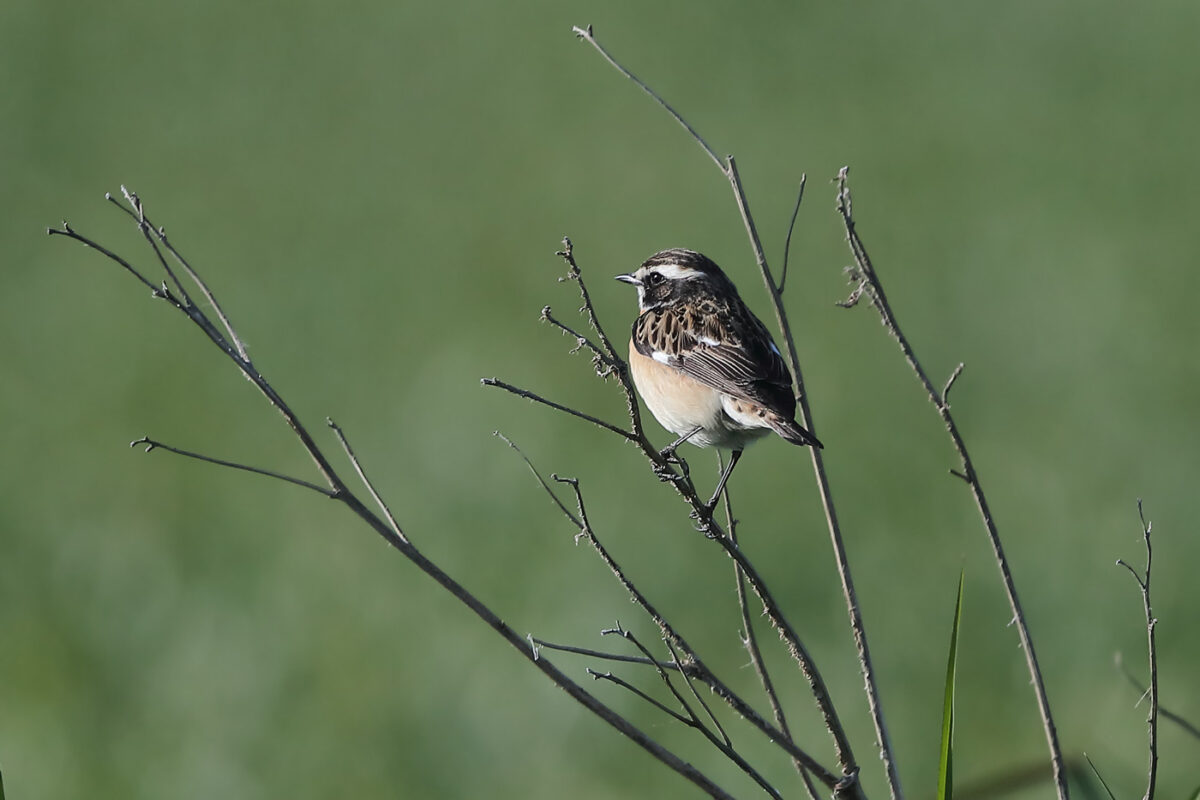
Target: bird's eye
(654,278)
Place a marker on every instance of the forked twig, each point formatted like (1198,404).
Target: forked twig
(867,284)
(690,717)
(690,662)
(230,344)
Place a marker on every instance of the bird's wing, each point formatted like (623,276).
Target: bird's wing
(739,360)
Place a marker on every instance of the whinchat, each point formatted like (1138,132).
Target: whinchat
(705,366)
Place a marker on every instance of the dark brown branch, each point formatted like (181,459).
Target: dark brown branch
(340,492)
(867,283)
(1143,582)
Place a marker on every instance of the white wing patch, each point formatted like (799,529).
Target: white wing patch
(708,340)
(661,357)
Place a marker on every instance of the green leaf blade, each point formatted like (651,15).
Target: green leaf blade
(946,760)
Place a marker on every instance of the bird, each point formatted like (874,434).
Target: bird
(704,364)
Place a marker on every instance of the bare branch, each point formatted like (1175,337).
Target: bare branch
(151,444)
(1144,691)
(690,663)
(787,243)
(600,360)
(340,492)
(1143,582)
(750,641)
(945,400)
(693,720)
(870,285)
(605,656)
(586,35)
(160,232)
(362,476)
(508,387)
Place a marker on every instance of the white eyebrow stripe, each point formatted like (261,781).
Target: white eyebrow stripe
(676,272)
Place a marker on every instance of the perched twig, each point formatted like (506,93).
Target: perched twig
(1143,582)
(867,283)
(703,514)
(340,492)
(690,662)
(728,168)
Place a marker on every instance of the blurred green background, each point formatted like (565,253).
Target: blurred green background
(376,193)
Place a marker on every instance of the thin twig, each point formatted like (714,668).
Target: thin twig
(691,664)
(152,444)
(601,361)
(693,720)
(606,656)
(340,492)
(362,476)
(624,684)
(161,233)
(1143,582)
(508,387)
(586,35)
(867,282)
(787,243)
(691,661)
(845,754)
(1144,691)
(614,358)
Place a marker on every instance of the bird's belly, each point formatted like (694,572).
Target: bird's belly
(682,405)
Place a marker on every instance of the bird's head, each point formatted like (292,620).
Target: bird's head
(675,276)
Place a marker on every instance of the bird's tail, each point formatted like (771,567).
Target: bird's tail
(795,433)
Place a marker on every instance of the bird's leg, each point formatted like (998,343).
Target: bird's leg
(733,460)
(668,455)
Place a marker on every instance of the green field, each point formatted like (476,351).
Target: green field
(376,193)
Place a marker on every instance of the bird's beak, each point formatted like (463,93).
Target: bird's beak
(628,278)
